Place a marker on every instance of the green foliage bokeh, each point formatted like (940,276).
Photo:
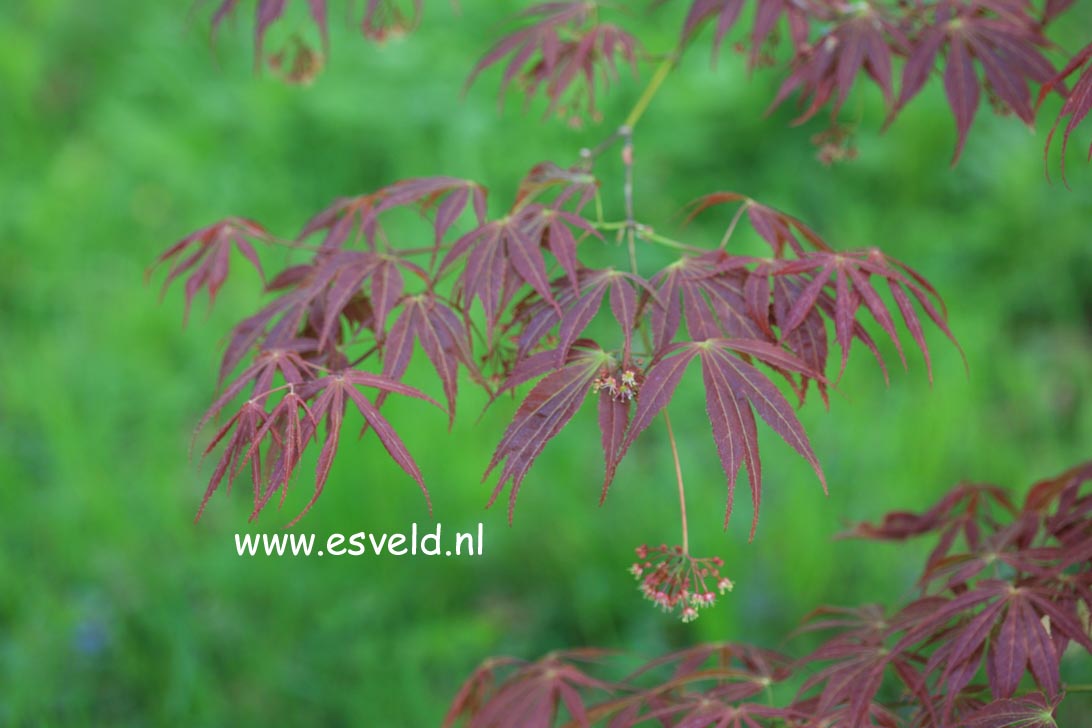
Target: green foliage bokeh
(122,131)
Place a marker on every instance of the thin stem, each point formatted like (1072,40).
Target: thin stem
(732,225)
(292,244)
(626,133)
(644,232)
(1081,688)
(678,478)
(627,161)
(652,237)
(631,244)
(649,93)
(363,356)
(590,155)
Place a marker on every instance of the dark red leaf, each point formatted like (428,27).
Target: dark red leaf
(331,395)
(562,48)
(1028,711)
(498,253)
(545,411)
(1004,38)
(443,337)
(207,252)
(1077,104)
(860,40)
(733,388)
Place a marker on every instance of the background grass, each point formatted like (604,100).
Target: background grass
(122,131)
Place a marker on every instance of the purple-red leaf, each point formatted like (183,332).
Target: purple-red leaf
(545,411)
(332,393)
(563,48)
(206,253)
(733,390)
(443,337)
(1077,104)
(1028,711)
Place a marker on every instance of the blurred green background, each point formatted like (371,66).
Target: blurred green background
(122,130)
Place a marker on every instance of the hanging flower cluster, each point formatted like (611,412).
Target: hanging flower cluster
(672,579)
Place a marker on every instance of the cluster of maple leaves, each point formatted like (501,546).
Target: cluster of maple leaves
(1004,595)
(507,301)
(997,49)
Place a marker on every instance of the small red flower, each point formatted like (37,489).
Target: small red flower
(622,385)
(673,579)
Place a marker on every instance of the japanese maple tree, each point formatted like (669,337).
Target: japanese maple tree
(504,294)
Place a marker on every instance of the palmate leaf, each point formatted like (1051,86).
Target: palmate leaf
(239,449)
(859,658)
(1010,545)
(1005,40)
(333,288)
(708,293)
(1007,628)
(207,252)
(1034,710)
(574,309)
(475,690)
(535,695)
(734,390)
(442,335)
(446,197)
(260,375)
(298,317)
(707,686)
(501,256)
(331,394)
(1064,503)
(358,287)
(623,305)
(848,278)
(968,510)
(860,40)
(563,48)
(544,412)
(725,14)
(754,668)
